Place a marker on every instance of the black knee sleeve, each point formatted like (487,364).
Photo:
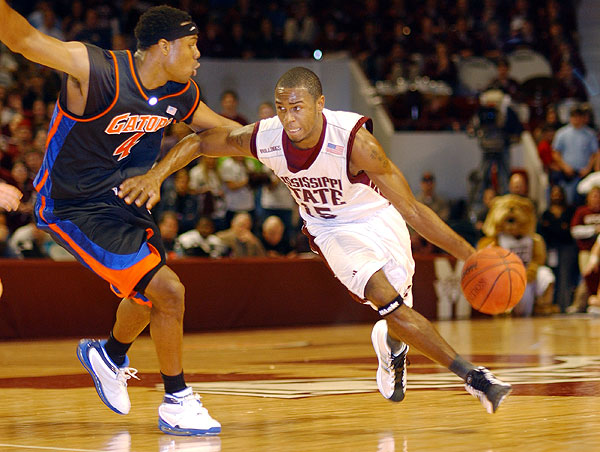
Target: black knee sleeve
(391,306)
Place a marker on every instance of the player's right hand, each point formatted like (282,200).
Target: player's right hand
(10,197)
(141,189)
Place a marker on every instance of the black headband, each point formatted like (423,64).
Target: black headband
(187,29)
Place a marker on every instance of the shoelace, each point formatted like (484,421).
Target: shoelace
(482,379)
(125,374)
(397,362)
(189,401)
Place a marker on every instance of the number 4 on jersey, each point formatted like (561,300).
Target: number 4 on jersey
(125,147)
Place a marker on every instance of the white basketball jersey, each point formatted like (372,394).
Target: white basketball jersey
(324,190)
(522,247)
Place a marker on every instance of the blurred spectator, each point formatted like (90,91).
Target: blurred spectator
(461,40)
(496,127)
(33,160)
(50,25)
(39,118)
(73,23)
(492,44)
(206,184)
(300,31)
(211,43)
(330,39)
(575,153)
(435,202)
(266,110)
(551,120)
(239,238)
(229,107)
(431,198)
(585,227)
(554,226)
(273,238)
(169,227)
(569,86)
(30,242)
(503,81)
(585,224)
(441,67)
(201,241)
(478,213)
(545,149)
(366,47)
(93,32)
(239,197)
(397,64)
(24,213)
(178,199)
(267,43)
(458,220)
(518,184)
(238,44)
(4,236)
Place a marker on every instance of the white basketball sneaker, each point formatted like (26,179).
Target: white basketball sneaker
(109,379)
(391,373)
(185,415)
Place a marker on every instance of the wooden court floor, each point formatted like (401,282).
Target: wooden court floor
(313,389)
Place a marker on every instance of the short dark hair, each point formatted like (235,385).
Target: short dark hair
(576,110)
(301,77)
(229,92)
(428,177)
(156,23)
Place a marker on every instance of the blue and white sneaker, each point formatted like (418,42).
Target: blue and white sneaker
(183,414)
(109,379)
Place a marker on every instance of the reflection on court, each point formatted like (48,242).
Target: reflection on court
(313,389)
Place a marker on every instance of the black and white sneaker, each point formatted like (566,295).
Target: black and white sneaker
(391,374)
(490,391)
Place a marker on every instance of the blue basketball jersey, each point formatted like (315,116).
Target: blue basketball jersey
(119,134)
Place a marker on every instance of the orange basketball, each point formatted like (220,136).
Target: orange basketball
(493,280)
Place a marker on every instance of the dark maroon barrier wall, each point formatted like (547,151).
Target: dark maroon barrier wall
(63,299)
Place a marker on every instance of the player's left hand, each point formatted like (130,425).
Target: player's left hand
(10,197)
(141,189)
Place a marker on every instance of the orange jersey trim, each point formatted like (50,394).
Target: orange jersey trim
(41,183)
(193,109)
(133,74)
(178,93)
(124,280)
(114,57)
(54,128)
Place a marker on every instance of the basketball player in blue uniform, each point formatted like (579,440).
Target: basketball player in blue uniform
(107,126)
(355,204)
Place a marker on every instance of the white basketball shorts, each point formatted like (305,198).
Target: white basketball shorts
(355,251)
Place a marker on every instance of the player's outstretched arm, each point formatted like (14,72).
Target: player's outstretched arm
(369,156)
(20,37)
(9,197)
(215,142)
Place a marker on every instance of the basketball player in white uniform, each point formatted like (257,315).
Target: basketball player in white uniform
(354,202)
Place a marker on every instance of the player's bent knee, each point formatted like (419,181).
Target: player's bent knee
(169,296)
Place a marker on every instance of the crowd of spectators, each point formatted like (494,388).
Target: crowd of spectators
(235,206)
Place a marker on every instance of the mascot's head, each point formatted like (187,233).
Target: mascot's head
(510,214)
